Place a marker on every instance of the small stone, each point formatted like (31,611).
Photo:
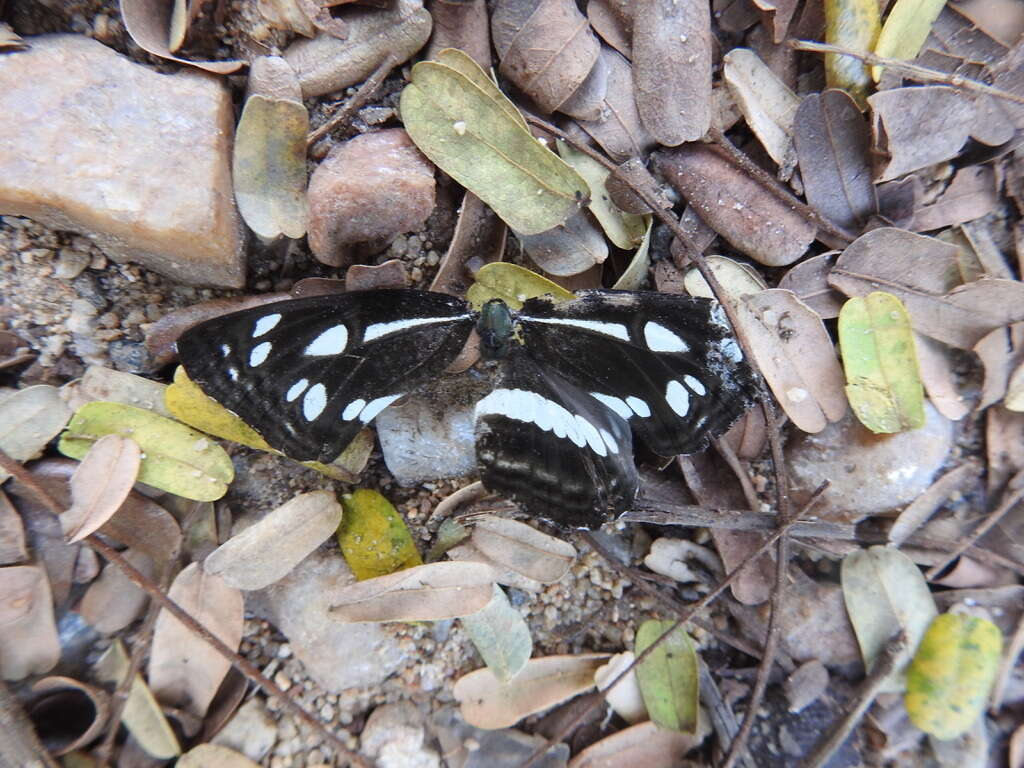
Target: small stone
(131,356)
(70,264)
(282,680)
(251,731)
(368,190)
(394,735)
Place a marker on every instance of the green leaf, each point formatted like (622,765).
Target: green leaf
(466,127)
(952,673)
(905,30)
(513,285)
(882,378)
(176,459)
(668,678)
(373,537)
(500,634)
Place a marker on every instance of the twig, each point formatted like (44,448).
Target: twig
(726,452)
(695,516)
(1010,654)
(866,693)
(360,97)
(140,580)
(913,71)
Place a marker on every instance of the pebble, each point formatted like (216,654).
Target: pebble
(394,734)
(251,731)
(137,160)
(70,264)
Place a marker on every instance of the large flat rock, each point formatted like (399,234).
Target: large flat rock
(137,160)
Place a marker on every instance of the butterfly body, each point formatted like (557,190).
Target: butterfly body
(574,382)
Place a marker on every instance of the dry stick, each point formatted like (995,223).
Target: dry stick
(360,97)
(912,71)
(866,693)
(726,452)
(140,580)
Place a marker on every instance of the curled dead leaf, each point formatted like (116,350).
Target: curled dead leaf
(149,24)
(100,485)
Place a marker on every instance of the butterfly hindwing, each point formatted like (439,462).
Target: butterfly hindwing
(309,373)
(667,364)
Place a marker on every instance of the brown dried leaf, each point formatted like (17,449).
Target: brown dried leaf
(12,534)
(1014,400)
(112,602)
(106,384)
(479,235)
(267,550)
(736,279)
(422,593)
(322,19)
(463,25)
(149,24)
(1001,352)
(796,357)
(374,277)
(551,54)
(777,14)
(28,643)
(613,21)
(523,549)
(833,143)
(973,193)
(205,755)
(286,14)
(809,281)
(544,682)
(184,671)
(100,485)
(67,713)
(29,419)
(735,205)
(672,69)
(619,133)
(936,368)
(644,744)
(928,503)
(569,248)
(919,126)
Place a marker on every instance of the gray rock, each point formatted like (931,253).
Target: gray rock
(336,655)
(465,746)
(137,160)
(252,731)
(394,735)
(422,441)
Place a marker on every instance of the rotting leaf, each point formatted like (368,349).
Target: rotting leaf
(28,643)
(973,193)
(522,548)
(880,360)
(832,143)
(149,24)
(176,459)
(936,364)
(267,550)
(373,537)
(851,24)
(29,419)
(672,69)
(467,132)
(905,30)
(142,715)
(568,249)
(421,593)
(951,674)
(68,714)
(886,593)
(500,635)
(513,285)
(668,677)
(184,671)
(486,702)
(100,485)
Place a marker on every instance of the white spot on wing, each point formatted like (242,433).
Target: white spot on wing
(376,330)
(694,384)
(331,342)
(613,403)
(314,402)
(376,406)
(225,350)
(677,397)
(265,324)
(259,354)
(547,415)
(638,406)
(233,374)
(661,339)
(352,409)
(615,330)
(296,389)
(609,441)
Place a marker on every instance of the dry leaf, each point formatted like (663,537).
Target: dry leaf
(644,745)
(522,548)
(973,193)
(619,132)
(466,552)
(286,14)
(149,24)
(100,485)
(736,279)
(29,419)
(1001,352)
(267,550)
(500,635)
(463,25)
(207,755)
(113,601)
(544,682)
(613,21)
(1014,400)
(833,143)
(905,30)
(422,593)
(28,643)
(569,248)
(479,234)
(67,713)
(672,69)
(12,534)
(809,281)
(106,384)
(183,670)
(936,366)
(755,221)
(928,503)
(9,40)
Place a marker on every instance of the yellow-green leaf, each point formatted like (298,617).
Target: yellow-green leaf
(373,536)
(905,30)
(512,284)
(851,24)
(668,678)
(465,126)
(883,382)
(175,458)
(463,63)
(951,674)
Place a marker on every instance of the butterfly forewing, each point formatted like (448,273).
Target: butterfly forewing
(667,364)
(309,373)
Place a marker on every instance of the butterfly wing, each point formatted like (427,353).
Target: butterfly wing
(667,364)
(554,449)
(308,374)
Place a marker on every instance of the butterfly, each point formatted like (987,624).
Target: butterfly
(574,382)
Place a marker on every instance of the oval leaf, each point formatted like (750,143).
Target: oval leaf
(644,744)
(100,485)
(883,380)
(522,548)
(513,285)
(373,537)
(952,673)
(175,458)
(668,677)
(29,419)
(28,642)
(190,405)
(467,131)
(501,636)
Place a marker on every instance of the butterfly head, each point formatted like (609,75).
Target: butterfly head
(497,329)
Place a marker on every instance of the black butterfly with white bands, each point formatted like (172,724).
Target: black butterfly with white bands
(574,381)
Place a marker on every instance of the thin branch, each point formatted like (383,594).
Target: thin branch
(742,475)
(360,97)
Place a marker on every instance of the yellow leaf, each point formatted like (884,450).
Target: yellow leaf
(513,285)
(905,30)
(851,24)
(373,537)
